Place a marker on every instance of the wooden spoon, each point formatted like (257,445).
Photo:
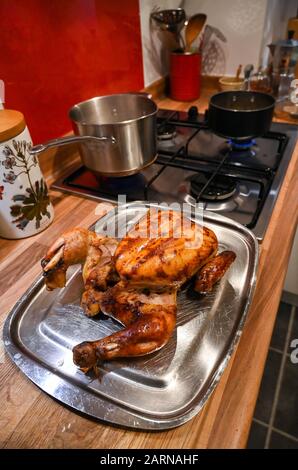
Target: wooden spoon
(193,28)
(238,72)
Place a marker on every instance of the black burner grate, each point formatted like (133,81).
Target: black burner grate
(217,178)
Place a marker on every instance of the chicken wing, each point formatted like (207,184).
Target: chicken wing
(80,246)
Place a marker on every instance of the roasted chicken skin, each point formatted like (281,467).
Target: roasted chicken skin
(163,249)
(149,321)
(213,271)
(157,256)
(94,251)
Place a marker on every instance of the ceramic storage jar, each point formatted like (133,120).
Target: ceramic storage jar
(25,207)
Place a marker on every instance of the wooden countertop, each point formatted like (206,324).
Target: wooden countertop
(31,419)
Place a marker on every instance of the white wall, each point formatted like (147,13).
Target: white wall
(242,22)
(154,45)
(248,25)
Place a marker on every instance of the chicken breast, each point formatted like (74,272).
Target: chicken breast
(163,249)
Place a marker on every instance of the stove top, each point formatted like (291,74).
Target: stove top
(239,180)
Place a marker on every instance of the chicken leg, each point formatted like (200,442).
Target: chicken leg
(149,320)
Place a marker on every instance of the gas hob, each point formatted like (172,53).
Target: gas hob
(240,180)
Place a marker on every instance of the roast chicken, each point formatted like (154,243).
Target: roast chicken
(135,281)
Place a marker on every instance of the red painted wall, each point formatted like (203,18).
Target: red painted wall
(55,53)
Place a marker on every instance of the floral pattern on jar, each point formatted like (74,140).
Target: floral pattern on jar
(23,191)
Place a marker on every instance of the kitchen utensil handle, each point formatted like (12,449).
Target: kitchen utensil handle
(69,140)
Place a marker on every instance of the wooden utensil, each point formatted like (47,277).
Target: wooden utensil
(193,28)
(238,72)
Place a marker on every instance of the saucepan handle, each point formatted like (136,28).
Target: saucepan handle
(69,140)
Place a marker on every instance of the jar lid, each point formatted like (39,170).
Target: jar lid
(12,123)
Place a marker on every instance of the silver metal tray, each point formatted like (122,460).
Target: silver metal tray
(158,391)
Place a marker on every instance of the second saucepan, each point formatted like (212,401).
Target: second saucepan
(240,115)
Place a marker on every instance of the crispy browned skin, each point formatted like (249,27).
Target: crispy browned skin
(213,271)
(160,260)
(81,246)
(174,252)
(149,321)
(156,257)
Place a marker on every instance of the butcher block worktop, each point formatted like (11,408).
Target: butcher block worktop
(31,419)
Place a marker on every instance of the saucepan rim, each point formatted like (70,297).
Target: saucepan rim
(117,123)
(223,108)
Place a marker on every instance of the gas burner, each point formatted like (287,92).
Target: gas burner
(243,148)
(220,189)
(241,145)
(166,132)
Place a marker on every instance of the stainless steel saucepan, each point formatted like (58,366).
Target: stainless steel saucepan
(116,133)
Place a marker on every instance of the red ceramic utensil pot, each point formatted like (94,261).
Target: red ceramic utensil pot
(185,76)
